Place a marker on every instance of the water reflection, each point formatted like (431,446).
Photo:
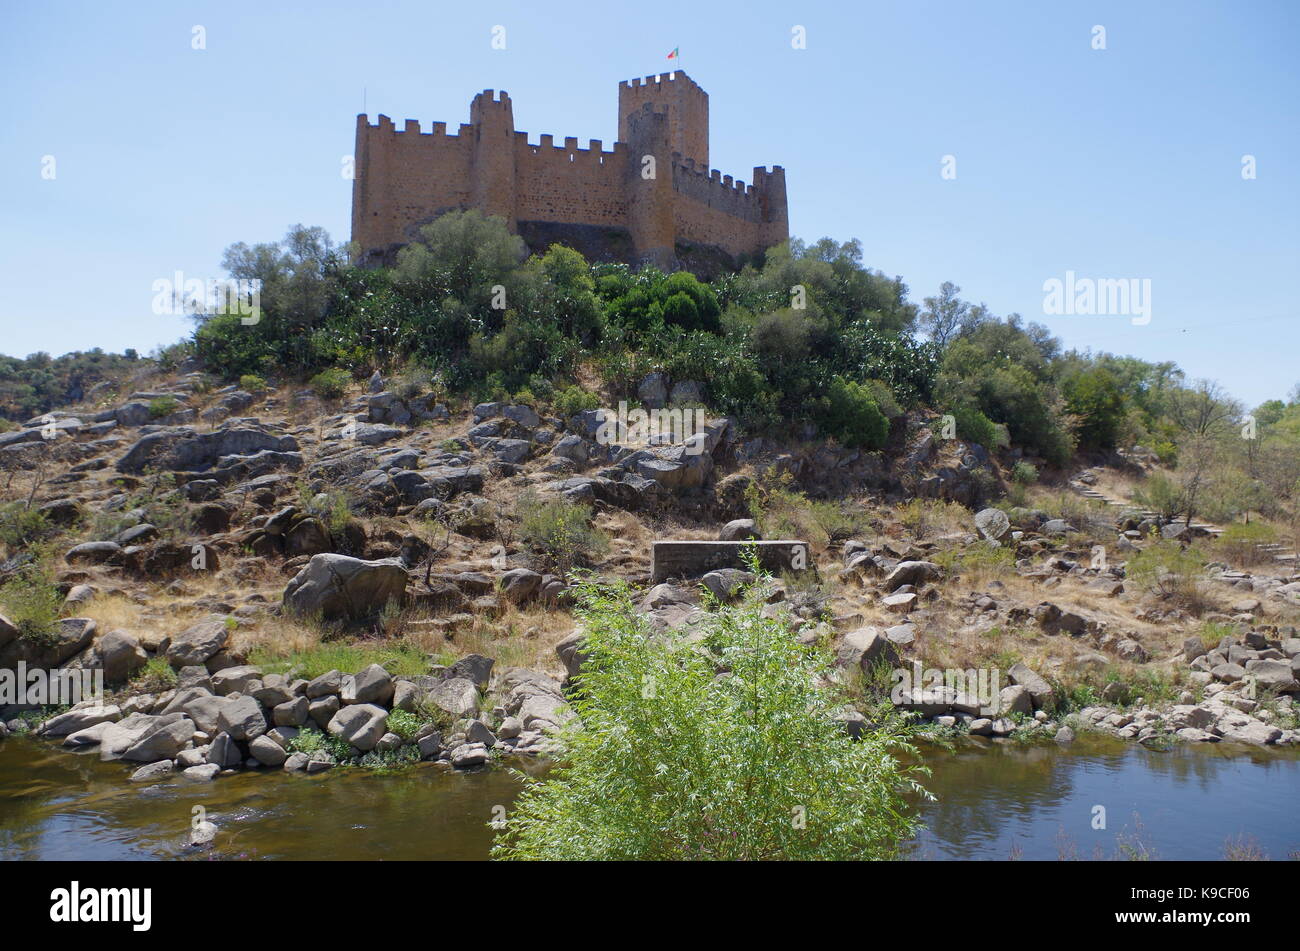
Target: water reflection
(994,800)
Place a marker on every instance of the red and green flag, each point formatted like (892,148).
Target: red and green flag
(673,54)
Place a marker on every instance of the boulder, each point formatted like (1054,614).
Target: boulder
(336,586)
(242,718)
(120,655)
(79,719)
(371,685)
(198,643)
(267,752)
(163,741)
(992,523)
(865,648)
(739,530)
(1039,689)
(181,448)
(457,696)
(361,724)
(519,584)
(911,572)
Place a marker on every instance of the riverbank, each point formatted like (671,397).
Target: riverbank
(995,801)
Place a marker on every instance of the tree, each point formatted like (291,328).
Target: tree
(673,761)
(944,315)
(461,254)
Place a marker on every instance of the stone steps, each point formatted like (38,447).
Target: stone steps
(1279,552)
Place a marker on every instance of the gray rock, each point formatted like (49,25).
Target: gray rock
(330,682)
(267,752)
(469,755)
(242,718)
(475,668)
(296,763)
(322,710)
(162,742)
(911,572)
(865,648)
(235,680)
(337,586)
(371,685)
(120,655)
(992,523)
(738,530)
(204,773)
(78,719)
(198,643)
(361,724)
(1039,689)
(153,772)
(292,712)
(430,746)
(457,696)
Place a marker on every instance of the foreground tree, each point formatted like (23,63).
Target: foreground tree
(726,747)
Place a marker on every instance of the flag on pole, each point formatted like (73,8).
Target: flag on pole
(673,54)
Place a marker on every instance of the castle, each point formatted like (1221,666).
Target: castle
(652,199)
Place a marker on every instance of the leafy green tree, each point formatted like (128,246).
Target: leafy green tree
(675,761)
(1095,397)
(944,314)
(461,254)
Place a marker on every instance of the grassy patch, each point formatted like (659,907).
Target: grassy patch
(399,659)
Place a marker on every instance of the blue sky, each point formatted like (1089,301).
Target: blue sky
(1115,163)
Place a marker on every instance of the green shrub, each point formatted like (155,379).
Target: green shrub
(31,602)
(560,531)
(163,406)
(675,762)
(574,399)
(252,383)
(330,384)
(1023,473)
(974,426)
(20,525)
(851,415)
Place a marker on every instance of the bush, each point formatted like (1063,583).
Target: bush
(20,525)
(974,426)
(330,384)
(163,406)
(560,531)
(32,602)
(851,415)
(1023,473)
(574,399)
(674,762)
(1168,571)
(252,383)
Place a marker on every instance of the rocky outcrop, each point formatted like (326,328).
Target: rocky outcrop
(335,587)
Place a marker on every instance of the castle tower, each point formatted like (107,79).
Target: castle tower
(493,175)
(770,187)
(649,185)
(687,107)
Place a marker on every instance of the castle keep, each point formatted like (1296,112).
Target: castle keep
(615,205)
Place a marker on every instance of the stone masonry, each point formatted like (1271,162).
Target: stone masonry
(652,199)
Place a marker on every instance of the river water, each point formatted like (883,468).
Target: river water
(995,801)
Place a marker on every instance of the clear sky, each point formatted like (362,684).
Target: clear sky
(1117,163)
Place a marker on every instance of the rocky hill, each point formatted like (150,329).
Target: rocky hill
(278,579)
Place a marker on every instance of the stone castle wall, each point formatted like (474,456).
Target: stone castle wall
(596,200)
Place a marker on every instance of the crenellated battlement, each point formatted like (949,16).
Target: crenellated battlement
(551,190)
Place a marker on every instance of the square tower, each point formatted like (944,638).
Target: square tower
(686,104)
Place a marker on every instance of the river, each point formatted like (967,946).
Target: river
(995,801)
